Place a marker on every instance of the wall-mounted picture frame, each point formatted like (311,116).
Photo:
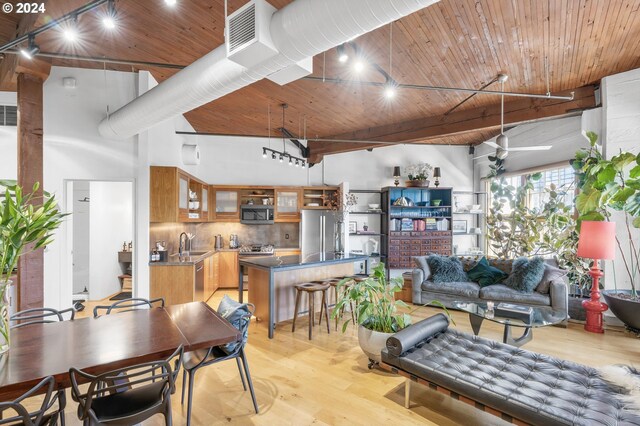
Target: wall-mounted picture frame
(353,227)
(459,226)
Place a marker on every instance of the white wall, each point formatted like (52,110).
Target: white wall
(621,132)
(111,211)
(81,235)
(8,142)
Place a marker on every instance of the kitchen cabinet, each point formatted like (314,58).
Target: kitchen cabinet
(287,252)
(228,269)
(287,204)
(169,199)
(174,283)
(211,275)
(204,201)
(226,204)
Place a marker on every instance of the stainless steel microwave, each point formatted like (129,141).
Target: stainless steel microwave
(252,214)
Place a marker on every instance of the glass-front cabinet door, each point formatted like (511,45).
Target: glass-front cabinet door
(183,196)
(205,203)
(226,202)
(287,204)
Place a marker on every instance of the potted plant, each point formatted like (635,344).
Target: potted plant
(418,174)
(27,222)
(608,186)
(376,310)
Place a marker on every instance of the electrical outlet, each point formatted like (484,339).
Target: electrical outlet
(286,236)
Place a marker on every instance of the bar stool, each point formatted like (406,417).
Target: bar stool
(333,282)
(311,288)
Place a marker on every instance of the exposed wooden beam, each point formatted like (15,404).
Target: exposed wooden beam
(8,64)
(30,172)
(432,128)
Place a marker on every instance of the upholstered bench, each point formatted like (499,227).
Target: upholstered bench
(518,385)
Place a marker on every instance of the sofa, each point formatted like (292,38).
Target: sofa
(520,386)
(553,294)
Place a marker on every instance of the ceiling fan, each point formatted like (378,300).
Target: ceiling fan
(502,141)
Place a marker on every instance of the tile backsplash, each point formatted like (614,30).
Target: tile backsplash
(205,234)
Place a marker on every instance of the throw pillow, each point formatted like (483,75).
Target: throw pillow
(551,273)
(485,274)
(421,262)
(526,274)
(236,313)
(446,269)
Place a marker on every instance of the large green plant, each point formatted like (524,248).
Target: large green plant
(24,227)
(607,186)
(377,308)
(514,229)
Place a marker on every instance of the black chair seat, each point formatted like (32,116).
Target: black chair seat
(194,358)
(128,403)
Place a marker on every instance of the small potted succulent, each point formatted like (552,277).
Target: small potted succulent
(418,174)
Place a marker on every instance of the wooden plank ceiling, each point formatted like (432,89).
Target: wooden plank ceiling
(457,43)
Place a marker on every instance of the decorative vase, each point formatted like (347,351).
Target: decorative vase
(4,316)
(338,246)
(417,183)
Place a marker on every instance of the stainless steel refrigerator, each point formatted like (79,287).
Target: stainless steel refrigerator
(317,232)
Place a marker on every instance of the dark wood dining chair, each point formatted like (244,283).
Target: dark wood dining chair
(195,360)
(129,395)
(126,305)
(44,316)
(45,415)
(40,316)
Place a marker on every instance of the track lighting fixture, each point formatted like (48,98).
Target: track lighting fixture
(342,53)
(358,66)
(109,20)
(70,30)
(280,156)
(171,2)
(31,50)
(390,89)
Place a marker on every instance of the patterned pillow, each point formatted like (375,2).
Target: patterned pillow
(551,273)
(526,274)
(446,269)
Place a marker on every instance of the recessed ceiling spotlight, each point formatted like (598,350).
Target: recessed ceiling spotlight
(171,2)
(358,66)
(342,54)
(31,50)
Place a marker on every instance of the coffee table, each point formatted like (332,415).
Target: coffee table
(540,317)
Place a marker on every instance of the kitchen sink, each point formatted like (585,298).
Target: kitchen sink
(192,253)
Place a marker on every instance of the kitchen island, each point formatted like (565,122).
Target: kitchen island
(272,280)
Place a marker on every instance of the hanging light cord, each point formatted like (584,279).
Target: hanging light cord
(502,108)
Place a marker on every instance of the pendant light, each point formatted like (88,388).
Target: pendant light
(502,140)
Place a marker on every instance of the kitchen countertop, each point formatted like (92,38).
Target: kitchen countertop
(175,260)
(298,262)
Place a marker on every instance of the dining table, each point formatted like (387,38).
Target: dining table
(109,342)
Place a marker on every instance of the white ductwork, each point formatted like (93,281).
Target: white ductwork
(302,29)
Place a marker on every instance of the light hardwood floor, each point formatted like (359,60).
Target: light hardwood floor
(326,380)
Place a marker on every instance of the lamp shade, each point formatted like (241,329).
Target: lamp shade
(436,172)
(597,240)
(396,172)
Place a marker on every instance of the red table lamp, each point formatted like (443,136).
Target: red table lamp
(597,241)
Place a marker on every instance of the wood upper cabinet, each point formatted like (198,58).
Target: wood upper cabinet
(204,201)
(228,269)
(288,202)
(226,204)
(175,196)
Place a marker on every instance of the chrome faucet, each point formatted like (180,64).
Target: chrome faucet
(182,248)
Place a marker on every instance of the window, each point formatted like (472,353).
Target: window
(564,180)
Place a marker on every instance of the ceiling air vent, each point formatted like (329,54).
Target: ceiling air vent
(8,115)
(248,38)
